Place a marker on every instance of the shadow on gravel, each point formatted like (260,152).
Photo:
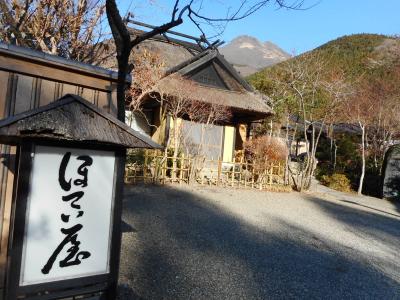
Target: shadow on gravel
(384,229)
(373,208)
(125,227)
(396,203)
(185,247)
(125,292)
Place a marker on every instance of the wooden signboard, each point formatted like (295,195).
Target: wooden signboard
(70,201)
(65,236)
(67,206)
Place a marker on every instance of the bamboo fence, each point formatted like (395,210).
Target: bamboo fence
(157,168)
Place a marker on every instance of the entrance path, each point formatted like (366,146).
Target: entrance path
(215,243)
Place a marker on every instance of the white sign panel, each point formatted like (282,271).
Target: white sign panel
(69,215)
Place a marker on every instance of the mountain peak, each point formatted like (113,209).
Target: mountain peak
(245,38)
(248,55)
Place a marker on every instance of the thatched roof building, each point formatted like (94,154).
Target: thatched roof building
(218,82)
(216,79)
(200,74)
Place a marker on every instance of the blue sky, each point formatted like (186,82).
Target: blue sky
(293,30)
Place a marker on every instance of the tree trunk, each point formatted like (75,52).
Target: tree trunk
(289,145)
(335,156)
(360,186)
(331,138)
(270,128)
(176,150)
(306,172)
(122,73)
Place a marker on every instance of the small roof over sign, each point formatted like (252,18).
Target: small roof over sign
(72,119)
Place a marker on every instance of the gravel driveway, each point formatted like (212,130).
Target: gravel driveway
(215,243)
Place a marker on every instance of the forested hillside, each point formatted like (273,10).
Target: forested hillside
(357,56)
(352,80)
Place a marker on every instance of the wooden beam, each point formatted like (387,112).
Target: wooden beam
(31,68)
(186,36)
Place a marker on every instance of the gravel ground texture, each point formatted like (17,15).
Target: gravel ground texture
(183,242)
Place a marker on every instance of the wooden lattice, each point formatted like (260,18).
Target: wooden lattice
(158,168)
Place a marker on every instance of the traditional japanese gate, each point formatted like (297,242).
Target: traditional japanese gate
(68,193)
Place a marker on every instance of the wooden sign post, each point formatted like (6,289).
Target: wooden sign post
(68,197)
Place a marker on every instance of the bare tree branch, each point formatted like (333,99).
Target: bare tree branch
(158,30)
(67,28)
(124,43)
